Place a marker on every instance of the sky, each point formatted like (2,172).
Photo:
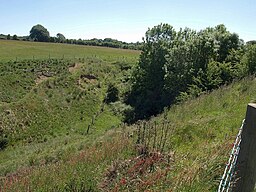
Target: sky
(125,20)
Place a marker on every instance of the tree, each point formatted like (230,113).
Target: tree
(190,61)
(8,37)
(147,96)
(249,59)
(225,42)
(15,37)
(53,39)
(182,63)
(60,38)
(39,33)
(185,61)
(252,42)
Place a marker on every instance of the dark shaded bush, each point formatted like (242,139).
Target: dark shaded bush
(3,143)
(112,94)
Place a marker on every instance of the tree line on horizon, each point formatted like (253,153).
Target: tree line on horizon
(40,34)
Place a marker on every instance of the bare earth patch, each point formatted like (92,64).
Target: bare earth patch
(75,67)
(40,79)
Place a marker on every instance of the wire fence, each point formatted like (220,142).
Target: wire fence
(228,180)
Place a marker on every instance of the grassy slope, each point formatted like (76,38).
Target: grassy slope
(203,131)
(10,50)
(58,110)
(45,120)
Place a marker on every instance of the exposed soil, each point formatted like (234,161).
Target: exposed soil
(40,79)
(74,67)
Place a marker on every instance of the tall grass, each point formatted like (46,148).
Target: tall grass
(42,121)
(200,136)
(79,172)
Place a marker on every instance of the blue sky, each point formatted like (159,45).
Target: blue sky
(125,20)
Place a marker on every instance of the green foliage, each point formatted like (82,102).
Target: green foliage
(3,143)
(112,94)
(148,77)
(249,59)
(15,37)
(107,42)
(61,38)
(252,42)
(39,33)
(126,111)
(176,64)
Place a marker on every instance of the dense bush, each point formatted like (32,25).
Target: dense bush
(249,59)
(176,65)
(3,143)
(112,94)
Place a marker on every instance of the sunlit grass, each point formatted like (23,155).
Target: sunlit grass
(12,50)
(203,130)
(49,148)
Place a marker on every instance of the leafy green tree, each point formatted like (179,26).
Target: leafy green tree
(61,38)
(249,59)
(181,63)
(202,59)
(184,62)
(225,41)
(147,96)
(15,37)
(8,37)
(39,33)
(53,39)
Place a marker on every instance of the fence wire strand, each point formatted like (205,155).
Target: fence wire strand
(226,182)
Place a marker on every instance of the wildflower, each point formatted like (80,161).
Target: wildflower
(123,181)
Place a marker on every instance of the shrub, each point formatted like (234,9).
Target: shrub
(3,143)
(125,110)
(112,94)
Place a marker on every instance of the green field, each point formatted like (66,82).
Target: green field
(12,50)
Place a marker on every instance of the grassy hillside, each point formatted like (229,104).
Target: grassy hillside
(51,101)
(204,129)
(47,106)
(200,134)
(52,108)
(12,50)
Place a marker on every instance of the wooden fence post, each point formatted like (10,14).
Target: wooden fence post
(245,170)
